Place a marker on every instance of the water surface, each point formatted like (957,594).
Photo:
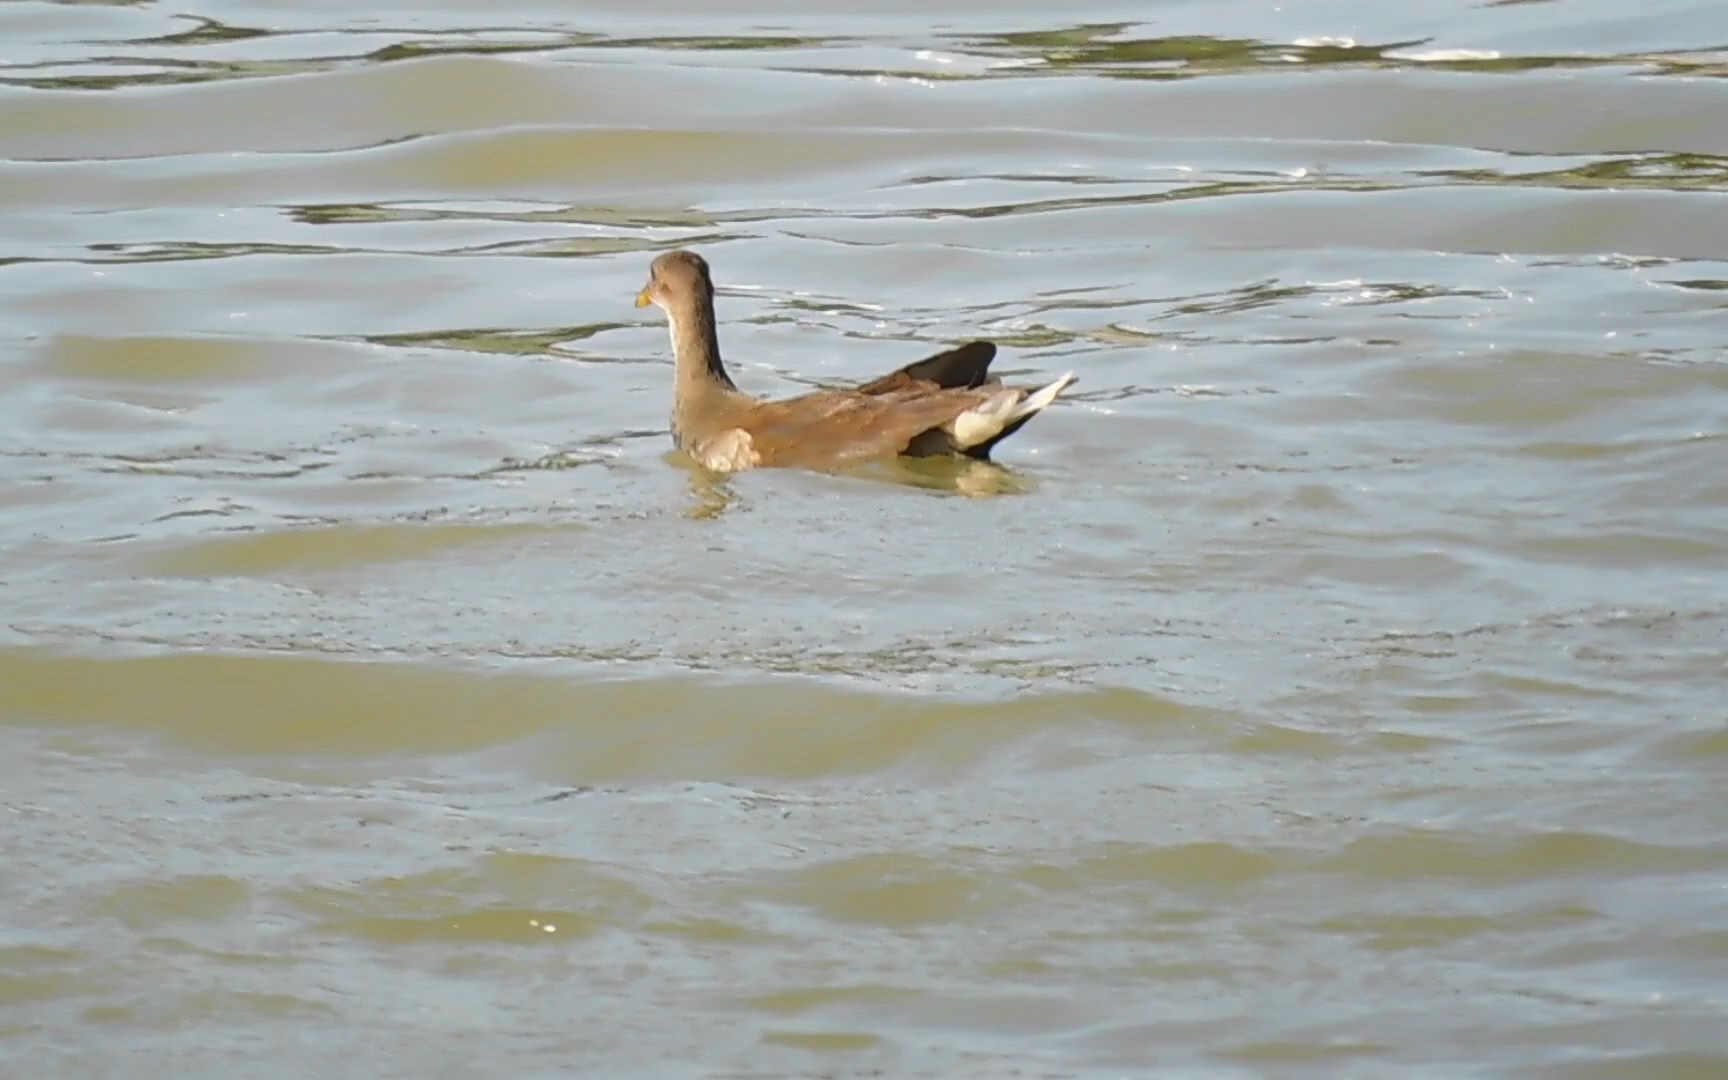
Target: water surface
(1331,685)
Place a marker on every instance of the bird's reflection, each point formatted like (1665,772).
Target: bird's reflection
(712,493)
(960,475)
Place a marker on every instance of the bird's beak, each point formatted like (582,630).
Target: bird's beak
(642,298)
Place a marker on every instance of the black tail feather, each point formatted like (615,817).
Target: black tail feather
(967,366)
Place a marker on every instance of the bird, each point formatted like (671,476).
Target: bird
(944,404)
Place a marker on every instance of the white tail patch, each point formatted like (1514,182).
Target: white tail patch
(985,421)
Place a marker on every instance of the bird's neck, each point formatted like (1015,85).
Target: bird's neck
(696,349)
(701,385)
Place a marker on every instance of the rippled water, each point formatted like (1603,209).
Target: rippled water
(1333,685)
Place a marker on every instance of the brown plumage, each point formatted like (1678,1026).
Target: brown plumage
(945,404)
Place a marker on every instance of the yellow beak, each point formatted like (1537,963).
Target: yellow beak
(642,298)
